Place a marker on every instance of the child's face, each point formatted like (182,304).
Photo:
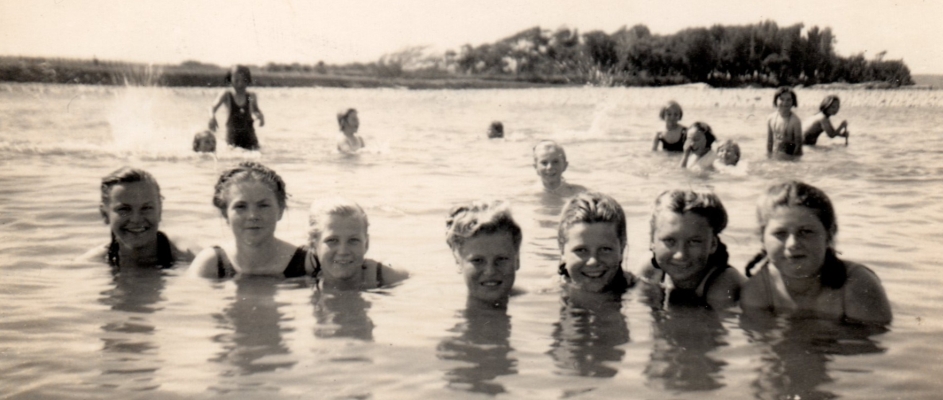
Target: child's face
(239,80)
(351,123)
(697,141)
(786,101)
(672,115)
(133,214)
(550,163)
(681,244)
(796,241)
(833,108)
(489,263)
(592,255)
(342,246)
(252,211)
(728,155)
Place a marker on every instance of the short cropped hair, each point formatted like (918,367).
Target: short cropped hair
(784,90)
(550,145)
(321,210)
(592,207)
(480,217)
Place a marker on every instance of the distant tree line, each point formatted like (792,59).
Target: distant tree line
(760,54)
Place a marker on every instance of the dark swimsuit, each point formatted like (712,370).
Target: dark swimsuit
(295,268)
(165,254)
(678,146)
(317,269)
(239,130)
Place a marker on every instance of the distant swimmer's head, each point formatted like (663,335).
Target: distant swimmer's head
(496,130)
(785,98)
(131,206)
(254,182)
(671,112)
(239,75)
(830,105)
(549,160)
(700,137)
(485,241)
(729,152)
(337,234)
(348,121)
(204,142)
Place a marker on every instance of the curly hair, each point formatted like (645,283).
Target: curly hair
(480,217)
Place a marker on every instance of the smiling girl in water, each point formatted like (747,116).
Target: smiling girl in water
(798,270)
(252,199)
(592,238)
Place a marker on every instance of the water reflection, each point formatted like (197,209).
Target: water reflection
(482,343)
(797,353)
(130,356)
(683,339)
(342,314)
(586,340)
(255,324)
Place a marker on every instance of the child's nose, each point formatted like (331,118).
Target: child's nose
(791,241)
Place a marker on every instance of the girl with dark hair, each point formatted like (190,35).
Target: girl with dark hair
(242,105)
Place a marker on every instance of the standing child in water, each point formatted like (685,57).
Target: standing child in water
(784,129)
(242,106)
(252,199)
(698,154)
(673,138)
(798,269)
(688,253)
(349,123)
(592,238)
(550,163)
(338,242)
(486,244)
(828,108)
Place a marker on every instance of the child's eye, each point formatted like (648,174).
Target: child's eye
(330,241)
(476,261)
(354,241)
(669,242)
(606,249)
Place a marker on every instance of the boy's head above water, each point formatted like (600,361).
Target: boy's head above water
(592,238)
(729,152)
(496,130)
(550,161)
(485,242)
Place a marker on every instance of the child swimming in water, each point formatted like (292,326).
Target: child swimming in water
(496,130)
(673,138)
(204,142)
(338,241)
(550,163)
(828,108)
(592,238)
(251,197)
(349,123)
(698,154)
(728,153)
(798,269)
(242,106)
(688,253)
(131,207)
(486,243)
(784,129)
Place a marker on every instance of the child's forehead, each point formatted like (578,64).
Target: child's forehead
(548,152)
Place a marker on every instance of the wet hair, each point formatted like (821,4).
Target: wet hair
(496,130)
(549,145)
(705,204)
(244,171)
(129,175)
(800,194)
(239,69)
(342,116)
(477,218)
(732,146)
(671,104)
(781,91)
(592,207)
(204,138)
(827,102)
(322,210)
(708,132)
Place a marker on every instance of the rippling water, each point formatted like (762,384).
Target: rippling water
(73,330)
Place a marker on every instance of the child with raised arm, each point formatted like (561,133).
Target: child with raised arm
(673,137)
(783,128)
(822,123)
(798,270)
(592,238)
(349,123)
(698,154)
(338,241)
(252,198)
(689,261)
(242,105)
(550,163)
(131,207)
(486,243)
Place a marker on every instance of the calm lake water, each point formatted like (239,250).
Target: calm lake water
(73,330)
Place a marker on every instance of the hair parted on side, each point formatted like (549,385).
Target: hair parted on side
(480,217)
(782,90)
(124,175)
(670,105)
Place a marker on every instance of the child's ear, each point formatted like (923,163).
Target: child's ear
(367,243)
(714,243)
(101,209)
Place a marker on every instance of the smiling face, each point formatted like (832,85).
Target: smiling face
(796,241)
(592,255)
(728,155)
(550,163)
(133,213)
(341,247)
(697,141)
(682,244)
(489,263)
(785,102)
(252,211)
(672,116)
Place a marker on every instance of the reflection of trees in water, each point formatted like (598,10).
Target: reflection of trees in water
(255,323)
(683,337)
(341,314)
(586,338)
(482,342)
(795,360)
(129,354)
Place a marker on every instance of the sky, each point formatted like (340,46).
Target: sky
(336,32)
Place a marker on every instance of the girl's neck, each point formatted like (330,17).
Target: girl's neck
(672,125)
(479,304)
(808,286)
(255,256)
(785,112)
(140,257)
(239,90)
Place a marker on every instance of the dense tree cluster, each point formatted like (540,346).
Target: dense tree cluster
(763,54)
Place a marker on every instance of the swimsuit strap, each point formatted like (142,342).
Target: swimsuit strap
(165,254)
(379,275)
(223,269)
(296,266)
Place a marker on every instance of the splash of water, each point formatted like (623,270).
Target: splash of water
(142,117)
